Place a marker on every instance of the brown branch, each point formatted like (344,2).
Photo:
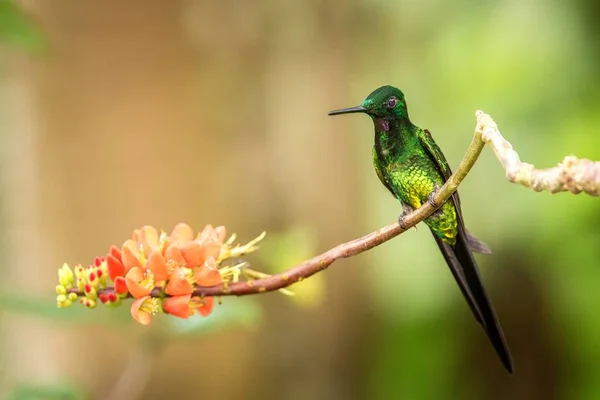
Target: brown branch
(572,174)
(345,250)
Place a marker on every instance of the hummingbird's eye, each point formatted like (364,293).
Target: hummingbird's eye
(391,103)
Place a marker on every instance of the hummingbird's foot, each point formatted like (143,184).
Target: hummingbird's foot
(431,198)
(401,222)
(406,209)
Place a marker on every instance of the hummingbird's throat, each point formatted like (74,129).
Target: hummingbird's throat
(382,125)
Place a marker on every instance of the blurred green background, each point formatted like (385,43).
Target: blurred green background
(117,114)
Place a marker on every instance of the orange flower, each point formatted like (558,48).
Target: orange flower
(148,239)
(208,233)
(130,255)
(158,266)
(143,253)
(143,308)
(136,250)
(195,252)
(121,285)
(178,283)
(207,274)
(140,282)
(178,306)
(173,254)
(115,252)
(115,266)
(182,233)
(203,305)
(211,241)
(135,236)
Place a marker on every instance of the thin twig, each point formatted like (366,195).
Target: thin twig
(572,174)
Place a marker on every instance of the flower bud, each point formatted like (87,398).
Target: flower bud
(65,276)
(90,292)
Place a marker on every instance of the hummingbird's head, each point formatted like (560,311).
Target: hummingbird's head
(384,103)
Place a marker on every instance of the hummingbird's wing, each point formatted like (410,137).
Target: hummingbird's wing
(440,160)
(461,261)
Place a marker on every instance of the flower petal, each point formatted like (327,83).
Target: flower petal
(193,253)
(121,285)
(115,252)
(130,255)
(182,233)
(135,236)
(164,242)
(178,306)
(140,311)
(207,234)
(148,239)
(134,280)
(221,233)
(178,284)
(158,265)
(206,306)
(173,253)
(115,267)
(212,248)
(208,275)
(136,273)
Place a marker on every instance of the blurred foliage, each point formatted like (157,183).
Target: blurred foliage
(283,250)
(45,308)
(46,392)
(16,28)
(233,313)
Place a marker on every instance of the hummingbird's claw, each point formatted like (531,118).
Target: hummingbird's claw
(406,209)
(431,199)
(401,222)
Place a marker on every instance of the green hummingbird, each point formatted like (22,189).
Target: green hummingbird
(412,167)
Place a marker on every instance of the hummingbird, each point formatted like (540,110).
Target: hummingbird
(412,167)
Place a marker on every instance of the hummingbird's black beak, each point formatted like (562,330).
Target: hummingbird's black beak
(357,109)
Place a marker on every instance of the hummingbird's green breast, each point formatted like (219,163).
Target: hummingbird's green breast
(405,167)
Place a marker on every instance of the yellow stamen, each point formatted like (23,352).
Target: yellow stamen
(142,257)
(150,306)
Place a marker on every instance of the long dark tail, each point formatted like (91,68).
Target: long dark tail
(464,269)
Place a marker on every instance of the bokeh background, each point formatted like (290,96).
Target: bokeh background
(115,114)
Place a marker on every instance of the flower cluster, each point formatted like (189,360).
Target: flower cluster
(160,271)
